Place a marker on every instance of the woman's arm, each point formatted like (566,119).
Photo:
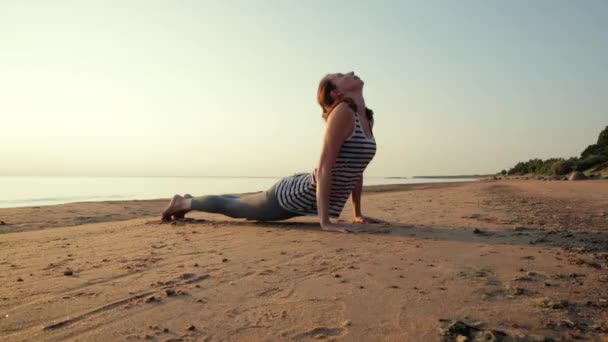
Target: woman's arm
(355,197)
(340,125)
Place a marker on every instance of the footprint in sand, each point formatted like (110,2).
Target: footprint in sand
(321,333)
(266,272)
(269,292)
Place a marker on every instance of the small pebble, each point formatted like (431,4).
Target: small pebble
(19,279)
(224,260)
(191,327)
(68,273)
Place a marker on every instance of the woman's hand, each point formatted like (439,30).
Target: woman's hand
(368,220)
(332,227)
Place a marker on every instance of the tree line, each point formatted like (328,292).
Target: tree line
(594,158)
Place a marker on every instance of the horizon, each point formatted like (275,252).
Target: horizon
(261,177)
(140,89)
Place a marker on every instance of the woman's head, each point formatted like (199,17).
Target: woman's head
(335,88)
(346,83)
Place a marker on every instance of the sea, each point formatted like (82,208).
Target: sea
(29,191)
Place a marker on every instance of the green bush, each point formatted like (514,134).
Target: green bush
(602,140)
(591,150)
(593,156)
(563,167)
(591,161)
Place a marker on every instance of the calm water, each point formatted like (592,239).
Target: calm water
(37,191)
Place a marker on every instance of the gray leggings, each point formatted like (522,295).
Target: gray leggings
(261,206)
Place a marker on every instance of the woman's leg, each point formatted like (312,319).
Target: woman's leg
(262,206)
(217,204)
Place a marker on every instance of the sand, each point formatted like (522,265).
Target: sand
(522,259)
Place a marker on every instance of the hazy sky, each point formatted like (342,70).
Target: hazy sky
(199,88)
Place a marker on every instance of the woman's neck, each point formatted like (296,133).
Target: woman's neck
(359,100)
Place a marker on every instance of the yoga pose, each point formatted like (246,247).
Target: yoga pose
(348,147)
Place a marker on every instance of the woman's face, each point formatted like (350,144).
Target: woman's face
(346,82)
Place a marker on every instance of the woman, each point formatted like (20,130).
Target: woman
(348,148)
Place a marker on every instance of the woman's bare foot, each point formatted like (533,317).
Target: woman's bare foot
(182,214)
(178,206)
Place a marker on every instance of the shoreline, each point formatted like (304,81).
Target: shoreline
(366,188)
(369,188)
(30,218)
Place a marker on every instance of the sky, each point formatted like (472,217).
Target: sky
(228,88)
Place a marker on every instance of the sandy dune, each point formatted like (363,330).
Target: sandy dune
(524,258)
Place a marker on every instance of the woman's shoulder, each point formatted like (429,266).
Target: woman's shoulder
(342,111)
(340,124)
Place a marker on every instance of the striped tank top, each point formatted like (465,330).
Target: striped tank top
(298,193)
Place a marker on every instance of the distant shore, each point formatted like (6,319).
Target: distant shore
(453,177)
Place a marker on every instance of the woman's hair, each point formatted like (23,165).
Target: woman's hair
(328,103)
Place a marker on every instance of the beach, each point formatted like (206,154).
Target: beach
(508,258)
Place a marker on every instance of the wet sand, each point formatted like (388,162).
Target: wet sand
(514,259)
